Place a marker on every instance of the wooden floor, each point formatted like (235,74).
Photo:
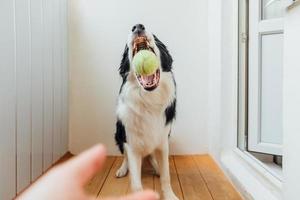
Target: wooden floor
(193,178)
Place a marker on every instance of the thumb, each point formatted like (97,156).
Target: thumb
(84,166)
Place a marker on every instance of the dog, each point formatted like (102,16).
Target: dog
(146,108)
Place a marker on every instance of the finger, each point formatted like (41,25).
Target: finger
(82,167)
(145,195)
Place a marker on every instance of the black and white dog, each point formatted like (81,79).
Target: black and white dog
(146,109)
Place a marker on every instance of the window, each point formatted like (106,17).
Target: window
(260,78)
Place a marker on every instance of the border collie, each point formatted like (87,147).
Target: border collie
(145,111)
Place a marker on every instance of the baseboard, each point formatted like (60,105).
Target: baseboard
(251,180)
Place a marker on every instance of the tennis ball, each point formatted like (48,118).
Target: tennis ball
(145,62)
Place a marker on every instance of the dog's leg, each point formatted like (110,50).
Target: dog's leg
(122,171)
(163,161)
(153,162)
(135,166)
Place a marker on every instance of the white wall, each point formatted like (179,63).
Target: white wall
(291,108)
(214,95)
(33,90)
(222,125)
(98,32)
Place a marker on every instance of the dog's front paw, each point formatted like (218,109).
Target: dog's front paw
(121,172)
(170,196)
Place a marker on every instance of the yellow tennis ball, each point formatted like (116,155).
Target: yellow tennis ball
(145,62)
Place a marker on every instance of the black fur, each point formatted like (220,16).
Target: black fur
(120,135)
(170,112)
(165,57)
(124,81)
(125,65)
(166,64)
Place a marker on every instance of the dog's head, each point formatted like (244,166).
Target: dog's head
(139,38)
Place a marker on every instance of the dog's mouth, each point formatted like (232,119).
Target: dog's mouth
(141,43)
(148,82)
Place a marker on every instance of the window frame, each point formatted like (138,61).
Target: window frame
(249,132)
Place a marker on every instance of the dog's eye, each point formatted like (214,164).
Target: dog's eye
(142,27)
(133,28)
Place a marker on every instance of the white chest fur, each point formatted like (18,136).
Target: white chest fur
(142,113)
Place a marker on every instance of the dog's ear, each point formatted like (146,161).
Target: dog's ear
(125,65)
(165,57)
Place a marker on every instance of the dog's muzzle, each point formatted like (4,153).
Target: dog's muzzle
(148,82)
(141,42)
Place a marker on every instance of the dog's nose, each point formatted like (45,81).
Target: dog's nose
(138,28)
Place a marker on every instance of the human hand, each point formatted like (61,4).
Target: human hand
(67,181)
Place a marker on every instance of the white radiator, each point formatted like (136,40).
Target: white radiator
(33,90)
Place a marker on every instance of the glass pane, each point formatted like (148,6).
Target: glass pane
(272,9)
(271,88)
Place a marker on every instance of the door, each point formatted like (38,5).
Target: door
(265,76)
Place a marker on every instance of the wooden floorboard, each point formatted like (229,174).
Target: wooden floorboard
(63,159)
(191,181)
(192,178)
(217,183)
(177,188)
(147,175)
(174,181)
(195,177)
(115,186)
(94,186)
